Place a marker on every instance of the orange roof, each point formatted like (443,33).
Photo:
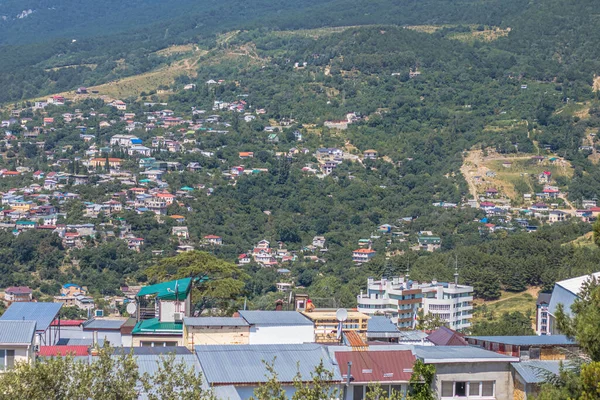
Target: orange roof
(177,217)
(165,195)
(11,173)
(365,251)
(212,237)
(246,153)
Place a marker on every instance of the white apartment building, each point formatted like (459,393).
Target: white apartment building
(400,299)
(124,140)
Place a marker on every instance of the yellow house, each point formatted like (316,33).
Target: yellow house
(215,330)
(326,324)
(101,162)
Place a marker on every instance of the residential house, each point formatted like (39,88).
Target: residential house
(213,240)
(529,376)
(565,292)
(370,154)
(326,326)
(160,313)
(215,331)
(17,294)
(545,347)
(125,140)
(17,343)
(278,327)
(391,370)
(545,177)
(181,232)
(557,216)
(361,256)
(429,243)
(468,372)
(42,313)
(444,336)
(319,241)
(101,162)
(491,192)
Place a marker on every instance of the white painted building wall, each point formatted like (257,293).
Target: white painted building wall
(287,334)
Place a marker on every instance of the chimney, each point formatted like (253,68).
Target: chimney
(279,305)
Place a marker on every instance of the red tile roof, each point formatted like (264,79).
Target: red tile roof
(377,366)
(53,351)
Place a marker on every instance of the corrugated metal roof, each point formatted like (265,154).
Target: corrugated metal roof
(381,324)
(377,366)
(227,364)
(105,324)
(17,332)
(42,313)
(215,321)
(459,354)
(146,351)
(573,285)
(535,371)
(149,363)
(153,325)
(276,318)
(54,351)
(444,336)
(411,336)
(545,340)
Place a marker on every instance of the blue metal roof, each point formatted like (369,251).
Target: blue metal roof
(230,364)
(459,354)
(17,332)
(380,324)
(275,318)
(536,371)
(545,340)
(42,313)
(215,321)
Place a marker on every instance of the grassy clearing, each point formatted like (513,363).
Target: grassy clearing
(487,35)
(523,302)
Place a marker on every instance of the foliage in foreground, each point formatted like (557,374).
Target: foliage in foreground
(107,377)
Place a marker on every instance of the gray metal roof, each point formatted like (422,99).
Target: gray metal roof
(412,336)
(78,342)
(275,318)
(150,363)
(17,332)
(535,371)
(104,324)
(459,354)
(229,364)
(42,313)
(227,392)
(148,351)
(215,321)
(544,340)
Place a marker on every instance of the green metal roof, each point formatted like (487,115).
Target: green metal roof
(154,326)
(167,290)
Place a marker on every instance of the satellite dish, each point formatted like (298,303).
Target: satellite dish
(341,314)
(131,308)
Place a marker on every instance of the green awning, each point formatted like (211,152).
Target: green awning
(167,290)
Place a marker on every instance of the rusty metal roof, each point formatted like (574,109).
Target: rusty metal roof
(377,366)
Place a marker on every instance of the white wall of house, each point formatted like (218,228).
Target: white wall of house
(22,354)
(282,334)
(498,372)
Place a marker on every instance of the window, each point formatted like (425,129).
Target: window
(474,389)
(534,353)
(7,359)
(447,389)
(487,388)
(358,392)
(460,389)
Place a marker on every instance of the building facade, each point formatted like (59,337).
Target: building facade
(401,299)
